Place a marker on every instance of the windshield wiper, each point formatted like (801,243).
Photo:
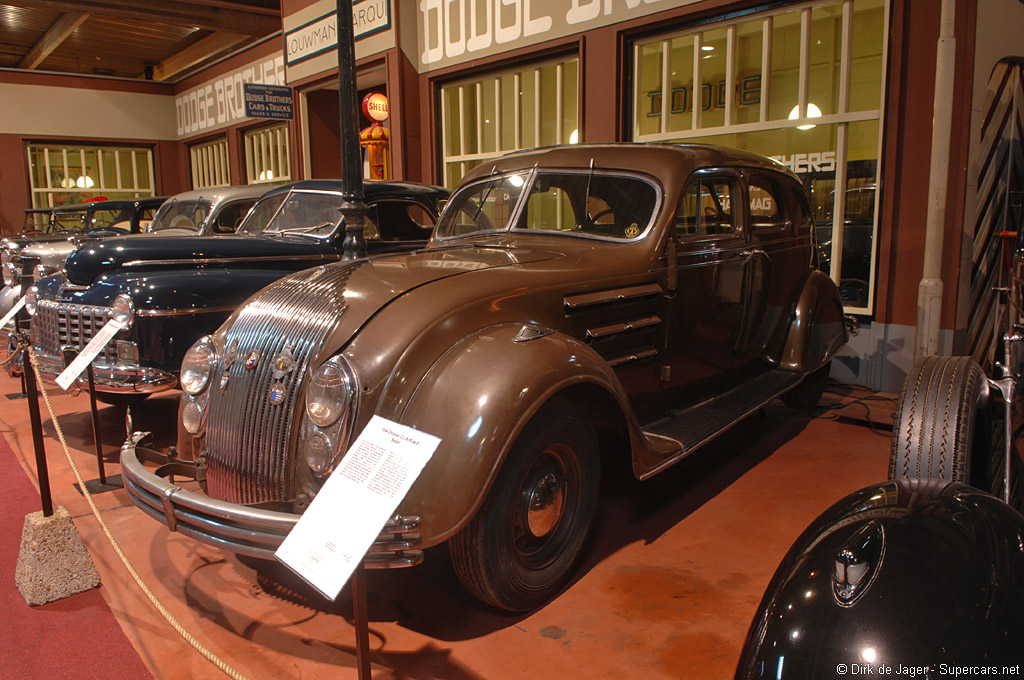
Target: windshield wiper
(304,230)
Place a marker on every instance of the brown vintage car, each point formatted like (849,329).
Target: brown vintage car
(575,304)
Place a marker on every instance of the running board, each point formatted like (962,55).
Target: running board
(680,434)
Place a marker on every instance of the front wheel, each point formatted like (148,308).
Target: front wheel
(520,548)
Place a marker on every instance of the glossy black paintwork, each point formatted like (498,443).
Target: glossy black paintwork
(941,581)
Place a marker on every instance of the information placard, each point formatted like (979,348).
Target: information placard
(330,539)
(88,353)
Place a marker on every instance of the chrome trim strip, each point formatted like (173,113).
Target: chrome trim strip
(117,379)
(183,311)
(233,260)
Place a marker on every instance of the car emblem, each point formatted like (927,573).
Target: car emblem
(632,230)
(231,354)
(277,392)
(284,363)
(252,359)
(223,381)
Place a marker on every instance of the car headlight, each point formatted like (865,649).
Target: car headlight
(30,300)
(330,409)
(197,365)
(5,265)
(123,310)
(329,393)
(41,271)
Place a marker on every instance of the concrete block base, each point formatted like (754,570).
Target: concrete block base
(53,562)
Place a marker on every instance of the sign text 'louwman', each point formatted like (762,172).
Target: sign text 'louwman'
(321,35)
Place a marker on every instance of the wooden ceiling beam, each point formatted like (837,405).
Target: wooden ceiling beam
(51,40)
(218,16)
(204,49)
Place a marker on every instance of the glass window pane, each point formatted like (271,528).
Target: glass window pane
(712,75)
(785,73)
(706,210)
(570,103)
(866,55)
(749,38)
(648,88)
(681,80)
(825,58)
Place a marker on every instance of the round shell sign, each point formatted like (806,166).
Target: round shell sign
(375,106)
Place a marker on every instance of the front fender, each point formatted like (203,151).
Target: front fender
(477,397)
(817,330)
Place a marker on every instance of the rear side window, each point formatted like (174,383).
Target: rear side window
(767,209)
(706,209)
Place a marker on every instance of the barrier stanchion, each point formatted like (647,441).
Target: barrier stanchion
(42,472)
(97,442)
(360,621)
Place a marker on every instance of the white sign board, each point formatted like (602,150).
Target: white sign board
(89,352)
(321,35)
(330,539)
(14,310)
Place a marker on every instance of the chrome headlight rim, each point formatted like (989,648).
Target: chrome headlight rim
(122,310)
(197,366)
(323,446)
(31,300)
(332,389)
(7,266)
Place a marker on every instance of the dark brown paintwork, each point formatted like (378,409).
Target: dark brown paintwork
(430,334)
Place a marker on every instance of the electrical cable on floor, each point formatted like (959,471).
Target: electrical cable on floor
(867,409)
(187,636)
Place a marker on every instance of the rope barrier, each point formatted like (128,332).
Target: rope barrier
(187,636)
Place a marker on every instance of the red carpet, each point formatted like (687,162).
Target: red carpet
(76,637)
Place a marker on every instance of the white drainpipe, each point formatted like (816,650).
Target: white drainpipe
(929,292)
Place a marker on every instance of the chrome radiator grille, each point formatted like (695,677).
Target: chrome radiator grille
(247,436)
(60,324)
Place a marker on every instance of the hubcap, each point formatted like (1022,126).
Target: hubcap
(545,502)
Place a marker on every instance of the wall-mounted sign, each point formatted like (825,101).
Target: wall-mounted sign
(321,35)
(268,101)
(219,103)
(375,107)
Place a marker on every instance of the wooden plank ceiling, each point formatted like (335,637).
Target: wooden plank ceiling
(157,39)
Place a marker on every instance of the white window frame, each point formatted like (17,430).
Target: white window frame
(842,118)
(474,87)
(210,167)
(44,196)
(267,159)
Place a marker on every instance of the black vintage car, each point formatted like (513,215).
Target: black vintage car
(173,290)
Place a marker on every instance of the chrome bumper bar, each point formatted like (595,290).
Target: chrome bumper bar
(126,378)
(241,529)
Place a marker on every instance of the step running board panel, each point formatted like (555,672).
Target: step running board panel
(678,435)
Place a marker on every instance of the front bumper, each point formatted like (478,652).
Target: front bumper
(119,378)
(243,529)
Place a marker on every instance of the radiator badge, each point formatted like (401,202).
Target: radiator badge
(230,355)
(284,363)
(252,359)
(277,392)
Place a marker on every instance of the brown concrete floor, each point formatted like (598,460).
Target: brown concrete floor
(667,589)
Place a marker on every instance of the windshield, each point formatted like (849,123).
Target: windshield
(482,207)
(70,220)
(112,218)
(311,213)
(188,215)
(573,202)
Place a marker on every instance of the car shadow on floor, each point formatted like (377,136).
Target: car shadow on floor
(428,598)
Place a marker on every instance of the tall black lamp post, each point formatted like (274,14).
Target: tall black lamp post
(353,209)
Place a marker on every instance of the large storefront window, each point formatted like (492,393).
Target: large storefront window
(62,175)
(802,85)
(266,155)
(210,164)
(487,117)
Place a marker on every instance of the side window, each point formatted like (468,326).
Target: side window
(706,209)
(401,221)
(766,210)
(230,216)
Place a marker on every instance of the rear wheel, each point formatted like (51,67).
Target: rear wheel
(521,547)
(943,424)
